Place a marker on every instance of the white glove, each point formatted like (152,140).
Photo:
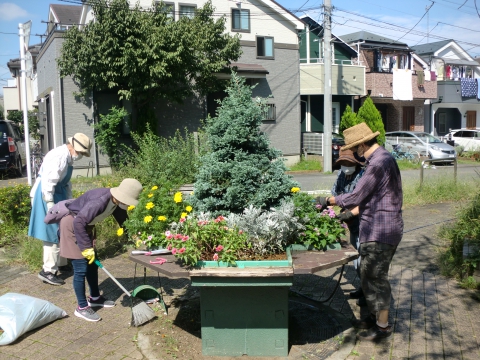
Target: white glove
(49,205)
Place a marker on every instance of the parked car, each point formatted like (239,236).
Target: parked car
(12,148)
(337,143)
(468,138)
(427,145)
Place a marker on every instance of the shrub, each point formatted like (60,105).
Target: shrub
(369,114)
(16,206)
(241,168)
(349,119)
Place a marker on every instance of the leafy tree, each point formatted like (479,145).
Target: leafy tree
(241,169)
(17,117)
(1,112)
(108,132)
(349,119)
(369,114)
(145,55)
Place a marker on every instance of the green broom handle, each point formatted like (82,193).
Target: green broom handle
(99,264)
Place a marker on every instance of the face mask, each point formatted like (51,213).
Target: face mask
(348,170)
(77,157)
(123,206)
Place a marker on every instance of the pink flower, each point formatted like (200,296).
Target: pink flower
(174,251)
(150,237)
(178,236)
(182,220)
(167,233)
(220,218)
(169,247)
(225,228)
(215,257)
(240,232)
(182,250)
(219,248)
(185,238)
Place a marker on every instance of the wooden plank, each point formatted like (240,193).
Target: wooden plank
(172,268)
(310,262)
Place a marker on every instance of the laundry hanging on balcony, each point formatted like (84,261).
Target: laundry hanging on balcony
(402,84)
(469,87)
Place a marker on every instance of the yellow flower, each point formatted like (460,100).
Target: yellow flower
(138,243)
(184,215)
(189,208)
(120,232)
(149,205)
(162,218)
(177,197)
(147,219)
(150,195)
(295,189)
(131,207)
(155,187)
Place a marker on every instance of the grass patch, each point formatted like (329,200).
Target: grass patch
(309,164)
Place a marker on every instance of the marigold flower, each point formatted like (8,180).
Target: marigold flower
(147,219)
(219,248)
(189,208)
(150,195)
(184,215)
(162,218)
(295,189)
(215,257)
(149,205)
(120,232)
(138,243)
(154,188)
(131,207)
(177,197)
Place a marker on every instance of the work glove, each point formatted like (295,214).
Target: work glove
(322,201)
(345,216)
(49,205)
(89,254)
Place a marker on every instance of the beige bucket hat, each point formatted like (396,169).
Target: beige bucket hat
(128,191)
(81,143)
(357,135)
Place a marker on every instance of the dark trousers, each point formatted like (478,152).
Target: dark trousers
(376,259)
(81,271)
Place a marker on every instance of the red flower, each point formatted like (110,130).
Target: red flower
(219,248)
(182,250)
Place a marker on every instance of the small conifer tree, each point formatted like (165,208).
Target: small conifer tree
(349,119)
(369,114)
(241,168)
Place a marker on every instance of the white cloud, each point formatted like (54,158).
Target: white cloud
(11,11)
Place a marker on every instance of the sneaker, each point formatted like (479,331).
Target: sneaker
(100,302)
(366,323)
(50,278)
(87,314)
(375,333)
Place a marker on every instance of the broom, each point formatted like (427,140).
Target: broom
(141,312)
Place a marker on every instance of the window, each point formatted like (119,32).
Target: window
(169,8)
(265,47)
(442,123)
(240,20)
(269,112)
(187,11)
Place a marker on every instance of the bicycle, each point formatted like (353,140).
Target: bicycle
(36,159)
(409,155)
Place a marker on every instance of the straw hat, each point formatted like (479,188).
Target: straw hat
(357,135)
(128,191)
(81,143)
(346,158)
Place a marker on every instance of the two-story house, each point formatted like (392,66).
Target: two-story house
(396,79)
(457,105)
(348,81)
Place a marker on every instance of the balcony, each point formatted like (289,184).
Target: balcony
(348,77)
(380,84)
(451,92)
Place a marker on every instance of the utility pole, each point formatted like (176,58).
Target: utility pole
(24,32)
(327,103)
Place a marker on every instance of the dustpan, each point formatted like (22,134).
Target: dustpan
(148,293)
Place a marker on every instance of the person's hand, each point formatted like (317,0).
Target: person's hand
(89,254)
(49,205)
(345,216)
(322,201)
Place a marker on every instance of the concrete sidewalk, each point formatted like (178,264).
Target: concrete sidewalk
(432,317)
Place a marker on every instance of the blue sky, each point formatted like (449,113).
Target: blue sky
(405,20)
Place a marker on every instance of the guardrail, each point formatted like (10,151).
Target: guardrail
(438,161)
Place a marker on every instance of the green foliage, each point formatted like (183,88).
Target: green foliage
(349,119)
(321,228)
(307,164)
(33,124)
(241,169)
(158,207)
(146,55)
(108,132)
(16,116)
(156,160)
(369,114)
(465,229)
(16,205)
(30,252)
(2,109)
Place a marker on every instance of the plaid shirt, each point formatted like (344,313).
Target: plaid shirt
(379,196)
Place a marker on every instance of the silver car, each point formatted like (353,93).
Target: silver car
(424,143)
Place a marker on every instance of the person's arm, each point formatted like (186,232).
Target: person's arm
(50,176)
(84,217)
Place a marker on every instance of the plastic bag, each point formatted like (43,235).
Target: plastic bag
(21,313)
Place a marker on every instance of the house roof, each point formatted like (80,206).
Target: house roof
(251,68)
(369,37)
(430,48)
(66,14)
